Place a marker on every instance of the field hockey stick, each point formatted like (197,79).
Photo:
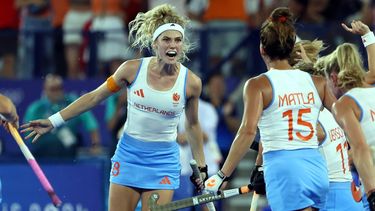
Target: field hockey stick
(197,174)
(196,200)
(254,202)
(35,166)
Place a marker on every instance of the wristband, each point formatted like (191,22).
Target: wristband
(56,120)
(203,169)
(222,175)
(368,39)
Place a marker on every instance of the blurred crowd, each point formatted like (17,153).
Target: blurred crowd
(77,39)
(83,39)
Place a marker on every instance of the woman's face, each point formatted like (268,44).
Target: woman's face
(168,46)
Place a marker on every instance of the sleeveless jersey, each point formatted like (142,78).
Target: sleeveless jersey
(154,115)
(289,122)
(365,99)
(334,148)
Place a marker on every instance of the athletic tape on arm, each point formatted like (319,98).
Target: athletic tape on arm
(112,85)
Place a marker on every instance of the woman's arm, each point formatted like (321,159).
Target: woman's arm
(325,93)
(368,39)
(253,107)
(345,114)
(122,76)
(194,133)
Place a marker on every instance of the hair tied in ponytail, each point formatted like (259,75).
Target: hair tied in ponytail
(282,19)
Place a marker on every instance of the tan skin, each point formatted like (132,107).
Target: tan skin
(258,95)
(357,27)
(162,74)
(8,112)
(347,114)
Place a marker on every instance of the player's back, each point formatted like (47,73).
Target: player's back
(334,148)
(289,121)
(365,99)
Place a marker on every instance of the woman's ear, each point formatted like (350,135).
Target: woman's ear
(262,51)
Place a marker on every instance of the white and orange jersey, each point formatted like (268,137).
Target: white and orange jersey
(289,122)
(365,99)
(154,115)
(334,148)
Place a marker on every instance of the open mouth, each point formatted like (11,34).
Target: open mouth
(172,53)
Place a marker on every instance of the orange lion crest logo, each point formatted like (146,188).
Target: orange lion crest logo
(176,97)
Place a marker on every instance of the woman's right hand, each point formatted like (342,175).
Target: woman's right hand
(357,27)
(36,128)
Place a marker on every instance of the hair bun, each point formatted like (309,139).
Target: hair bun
(282,19)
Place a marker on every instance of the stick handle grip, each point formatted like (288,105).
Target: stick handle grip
(197,173)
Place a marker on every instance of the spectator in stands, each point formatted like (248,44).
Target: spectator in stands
(36,40)
(62,142)
(258,10)
(208,119)
(79,15)
(113,46)
(228,122)
(226,22)
(59,9)
(8,38)
(115,116)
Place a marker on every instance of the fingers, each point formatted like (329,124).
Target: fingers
(346,28)
(35,138)
(30,135)
(357,27)
(27,128)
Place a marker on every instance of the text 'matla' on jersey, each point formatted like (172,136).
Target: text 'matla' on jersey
(289,122)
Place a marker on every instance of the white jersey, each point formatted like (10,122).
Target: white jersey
(334,148)
(154,115)
(365,99)
(289,122)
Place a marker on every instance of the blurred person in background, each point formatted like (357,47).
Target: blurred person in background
(59,10)
(228,122)
(8,114)
(9,21)
(78,15)
(35,50)
(110,33)
(259,10)
(226,22)
(62,142)
(209,121)
(115,116)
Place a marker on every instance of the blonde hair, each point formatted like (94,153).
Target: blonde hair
(351,71)
(321,65)
(312,49)
(144,25)
(308,67)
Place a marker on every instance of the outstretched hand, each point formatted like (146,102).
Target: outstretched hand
(356,27)
(36,128)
